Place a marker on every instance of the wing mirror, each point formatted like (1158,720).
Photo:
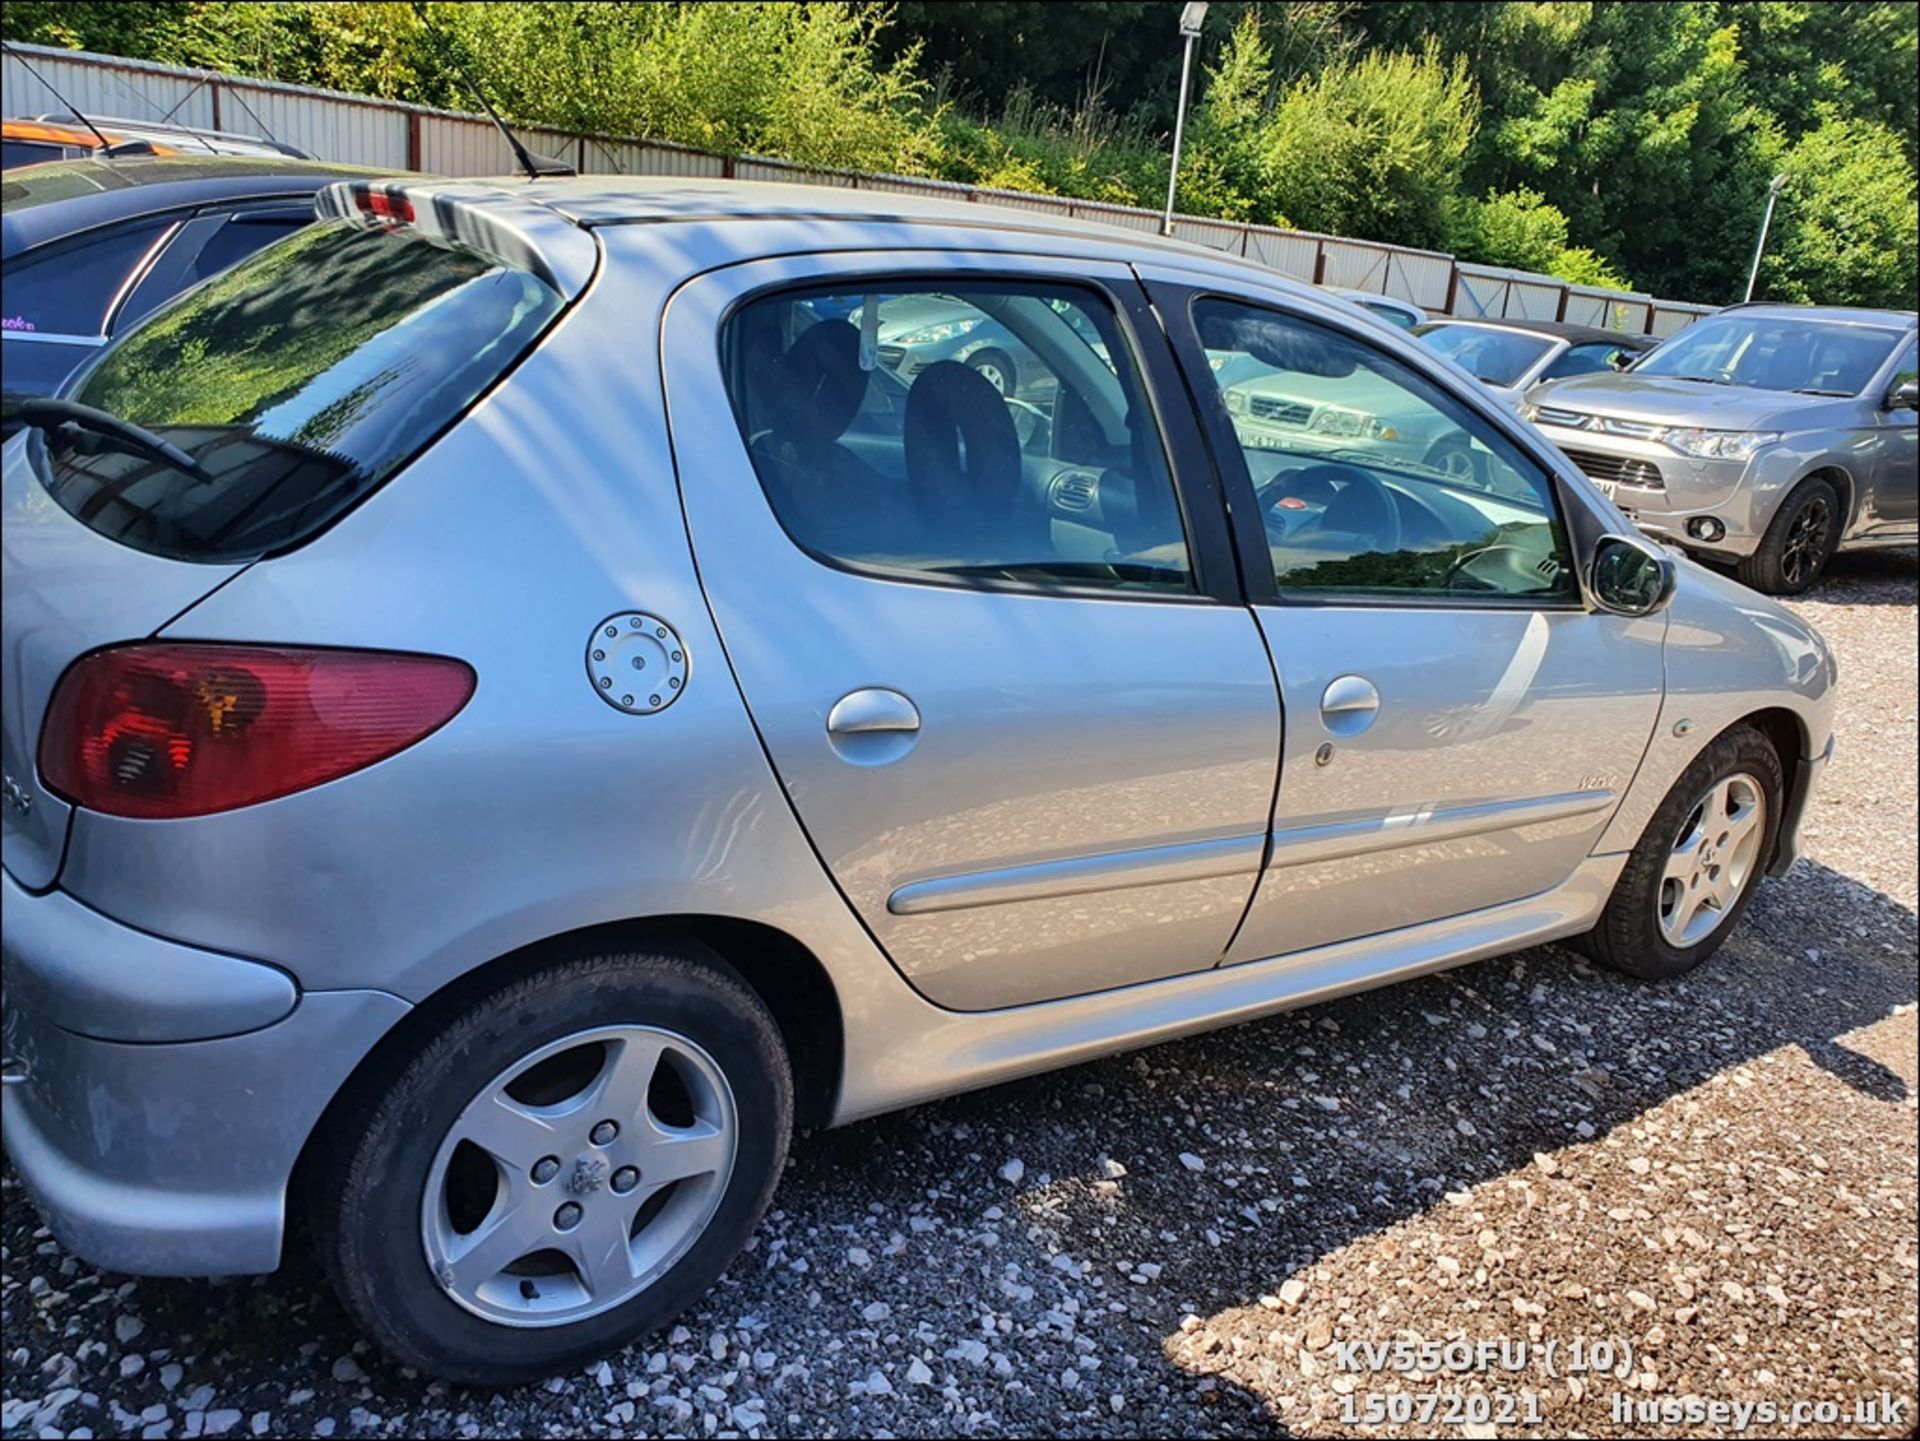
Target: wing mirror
(1631,576)
(1905,395)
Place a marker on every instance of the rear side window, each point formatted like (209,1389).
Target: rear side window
(69,289)
(297,382)
(962,433)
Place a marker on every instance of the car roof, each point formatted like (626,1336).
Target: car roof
(57,132)
(594,200)
(170,133)
(1552,329)
(41,203)
(1843,314)
(1374,297)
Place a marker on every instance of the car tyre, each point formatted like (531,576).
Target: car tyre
(1453,455)
(996,368)
(1802,538)
(385,1196)
(1693,873)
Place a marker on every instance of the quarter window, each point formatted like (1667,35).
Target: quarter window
(1371,480)
(958,432)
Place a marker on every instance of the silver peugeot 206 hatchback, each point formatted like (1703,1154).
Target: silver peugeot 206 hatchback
(511,706)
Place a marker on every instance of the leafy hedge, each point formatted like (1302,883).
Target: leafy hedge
(1600,141)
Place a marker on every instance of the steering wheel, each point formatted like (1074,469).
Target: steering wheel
(1477,570)
(1330,484)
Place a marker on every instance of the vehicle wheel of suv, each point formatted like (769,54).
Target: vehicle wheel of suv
(995,367)
(567,1165)
(1798,544)
(1698,863)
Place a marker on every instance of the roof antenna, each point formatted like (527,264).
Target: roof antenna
(535,165)
(107,146)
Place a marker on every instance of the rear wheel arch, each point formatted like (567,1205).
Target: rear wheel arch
(787,977)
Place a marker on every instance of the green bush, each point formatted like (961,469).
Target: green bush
(1591,139)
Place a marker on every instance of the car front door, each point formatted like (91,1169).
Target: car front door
(1459,729)
(1894,504)
(995,649)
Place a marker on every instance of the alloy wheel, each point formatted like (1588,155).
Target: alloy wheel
(579,1175)
(1807,540)
(1714,858)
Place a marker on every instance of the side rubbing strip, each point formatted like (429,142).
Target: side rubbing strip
(1079,875)
(1302,845)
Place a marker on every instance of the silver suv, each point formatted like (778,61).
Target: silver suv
(1765,436)
(511,706)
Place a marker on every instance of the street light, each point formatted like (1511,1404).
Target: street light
(1773,194)
(1191,19)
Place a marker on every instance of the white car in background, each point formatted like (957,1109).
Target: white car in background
(1403,313)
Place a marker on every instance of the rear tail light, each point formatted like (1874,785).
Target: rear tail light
(390,206)
(162,731)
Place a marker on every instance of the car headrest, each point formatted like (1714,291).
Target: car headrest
(962,451)
(817,386)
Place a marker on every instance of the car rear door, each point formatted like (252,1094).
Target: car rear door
(1035,767)
(1459,728)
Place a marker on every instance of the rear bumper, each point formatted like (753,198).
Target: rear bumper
(160,1156)
(1806,775)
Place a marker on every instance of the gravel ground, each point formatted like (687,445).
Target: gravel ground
(1716,1178)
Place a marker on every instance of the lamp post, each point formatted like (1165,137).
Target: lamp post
(1191,18)
(1773,194)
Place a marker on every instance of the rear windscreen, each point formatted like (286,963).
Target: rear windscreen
(297,382)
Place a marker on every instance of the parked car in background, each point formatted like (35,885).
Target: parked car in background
(1403,313)
(480,737)
(1509,356)
(1765,436)
(915,331)
(91,246)
(33,140)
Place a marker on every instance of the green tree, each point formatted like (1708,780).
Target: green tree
(1373,147)
(1848,225)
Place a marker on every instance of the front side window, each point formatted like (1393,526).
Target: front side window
(962,432)
(70,289)
(1786,353)
(1371,480)
(296,383)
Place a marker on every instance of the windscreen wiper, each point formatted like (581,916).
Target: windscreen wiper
(1705,379)
(1815,390)
(45,413)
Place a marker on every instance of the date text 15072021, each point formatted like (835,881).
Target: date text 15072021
(1580,1355)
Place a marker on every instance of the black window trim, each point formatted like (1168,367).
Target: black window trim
(1214,558)
(1173,300)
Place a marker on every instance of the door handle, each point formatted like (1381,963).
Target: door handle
(1349,704)
(872,710)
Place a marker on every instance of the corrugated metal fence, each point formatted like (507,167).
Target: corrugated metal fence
(356,129)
